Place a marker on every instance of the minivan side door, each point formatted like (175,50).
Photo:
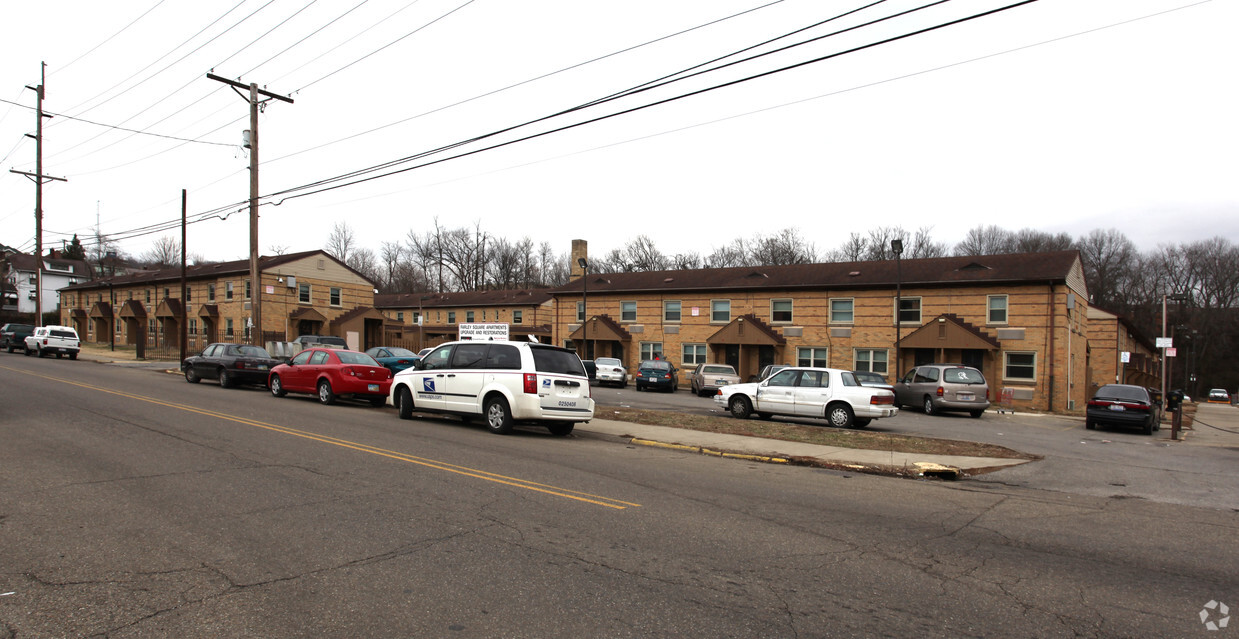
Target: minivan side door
(466,377)
(431,381)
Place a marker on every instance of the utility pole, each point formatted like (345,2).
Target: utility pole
(184,286)
(255,281)
(38,178)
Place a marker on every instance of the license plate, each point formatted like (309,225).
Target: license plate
(373,388)
(1117,407)
(262,367)
(966,397)
(720,382)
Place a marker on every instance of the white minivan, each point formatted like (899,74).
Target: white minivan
(506,382)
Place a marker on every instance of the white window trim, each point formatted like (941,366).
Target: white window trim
(871,351)
(1006,309)
(705,356)
(712,320)
(1005,362)
(792,310)
(339,304)
(811,358)
(676,321)
(634,311)
(830,310)
(920,310)
(309,292)
(641,349)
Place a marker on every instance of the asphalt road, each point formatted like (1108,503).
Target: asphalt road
(136,505)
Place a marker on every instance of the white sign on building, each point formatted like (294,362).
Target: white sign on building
(483,332)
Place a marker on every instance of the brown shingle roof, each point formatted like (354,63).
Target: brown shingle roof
(502,297)
(939,271)
(201,271)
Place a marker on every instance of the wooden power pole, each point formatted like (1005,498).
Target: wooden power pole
(38,178)
(255,281)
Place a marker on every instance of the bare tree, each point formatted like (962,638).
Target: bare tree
(734,254)
(1034,241)
(923,245)
(853,249)
(985,240)
(341,242)
(163,252)
(278,249)
(644,255)
(784,247)
(363,261)
(1108,257)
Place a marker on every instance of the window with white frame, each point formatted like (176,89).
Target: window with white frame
(228,291)
(335,296)
(451,317)
(228,327)
(248,290)
(780,311)
(400,316)
(694,354)
(871,359)
(469,317)
(1019,366)
(842,310)
(193,326)
(650,350)
(303,293)
(628,311)
(812,357)
(671,311)
(720,311)
(517,316)
(580,311)
(910,310)
(210,292)
(996,311)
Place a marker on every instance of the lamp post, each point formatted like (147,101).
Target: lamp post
(897,249)
(581,262)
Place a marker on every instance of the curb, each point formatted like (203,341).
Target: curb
(708,451)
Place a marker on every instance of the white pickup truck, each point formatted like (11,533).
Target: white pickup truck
(53,340)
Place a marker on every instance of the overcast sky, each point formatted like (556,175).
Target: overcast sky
(1061,115)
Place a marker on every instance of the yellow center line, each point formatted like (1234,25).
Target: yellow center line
(365,448)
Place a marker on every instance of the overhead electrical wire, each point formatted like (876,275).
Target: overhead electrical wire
(118,128)
(109,38)
(310,190)
(269,32)
(307,37)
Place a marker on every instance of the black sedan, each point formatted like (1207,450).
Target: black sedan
(231,364)
(1123,405)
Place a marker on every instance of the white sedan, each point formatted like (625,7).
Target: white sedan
(824,393)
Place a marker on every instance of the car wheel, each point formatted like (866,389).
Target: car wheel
(976,414)
(191,376)
(325,394)
(1148,424)
(9,348)
(929,405)
(694,387)
(277,387)
(560,430)
(72,355)
(740,407)
(59,355)
(861,422)
(498,416)
(40,353)
(839,415)
(29,352)
(378,400)
(1090,424)
(404,402)
(225,379)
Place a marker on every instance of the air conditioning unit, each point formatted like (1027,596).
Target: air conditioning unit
(291,280)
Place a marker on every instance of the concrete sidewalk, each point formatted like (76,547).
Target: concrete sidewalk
(723,445)
(780,451)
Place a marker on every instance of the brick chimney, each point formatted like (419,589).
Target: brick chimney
(580,249)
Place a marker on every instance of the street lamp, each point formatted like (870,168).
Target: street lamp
(581,262)
(897,249)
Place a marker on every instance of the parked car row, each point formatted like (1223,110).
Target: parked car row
(507,383)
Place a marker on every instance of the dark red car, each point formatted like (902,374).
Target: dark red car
(331,373)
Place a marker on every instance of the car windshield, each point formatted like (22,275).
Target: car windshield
(656,366)
(1116,391)
(401,352)
(869,378)
(963,376)
(557,360)
(608,361)
(353,357)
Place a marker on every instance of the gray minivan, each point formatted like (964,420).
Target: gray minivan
(944,387)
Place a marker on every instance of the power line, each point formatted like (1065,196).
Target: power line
(109,38)
(307,37)
(118,128)
(269,31)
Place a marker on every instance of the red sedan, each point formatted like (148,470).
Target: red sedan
(331,373)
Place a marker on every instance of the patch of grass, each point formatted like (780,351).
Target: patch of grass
(823,435)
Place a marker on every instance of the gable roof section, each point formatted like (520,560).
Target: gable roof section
(949,331)
(748,330)
(602,328)
(206,271)
(939,271)
(500,297)
(71,268)
(132,308)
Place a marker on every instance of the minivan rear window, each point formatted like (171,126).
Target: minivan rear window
(963,376)
(557,360)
